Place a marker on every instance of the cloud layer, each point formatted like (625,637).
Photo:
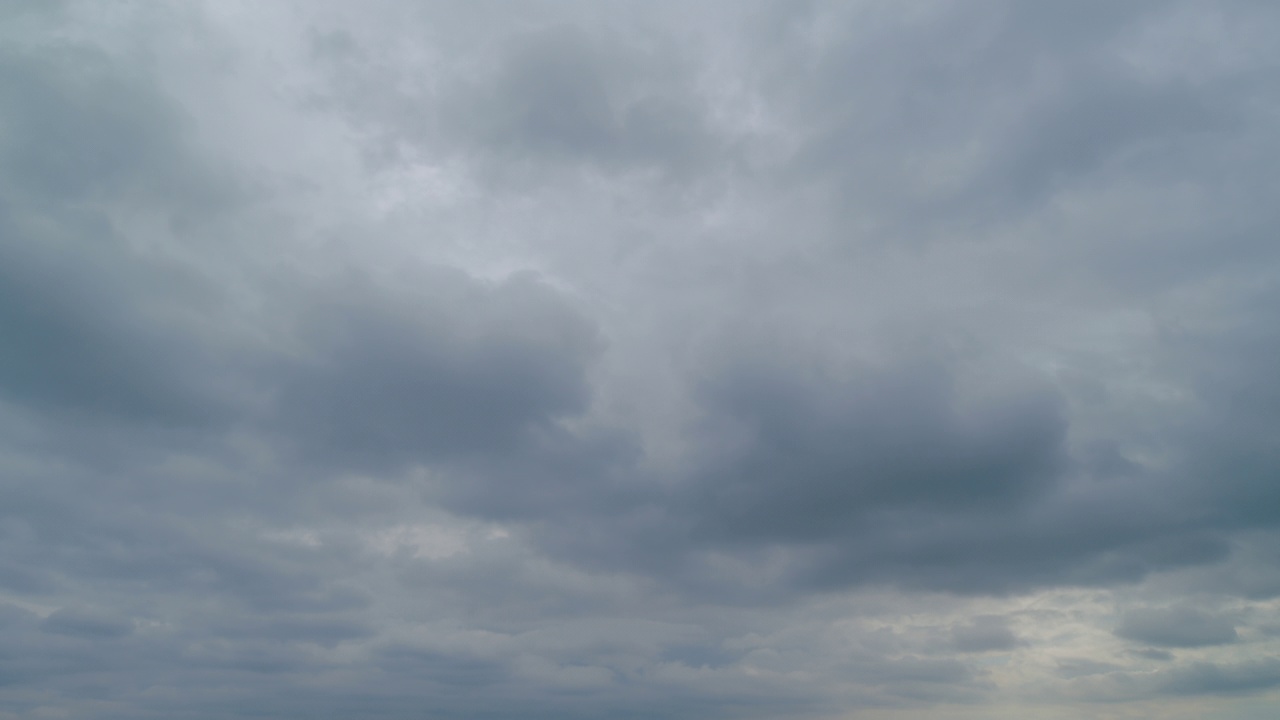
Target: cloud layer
(572,360)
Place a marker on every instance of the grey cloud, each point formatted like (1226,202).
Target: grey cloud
(552,96)
(1077,667)
(14,576)
(1110,683)
(81,345)
(637,361)
(1222,679)
(820,452)
(449,367)
(326,632)
(881,477)
(12,615)
(897,475)
(441,668)
(984,634)
(79,128)
(1011,108)
(558,94)
(78,295)
(561,92)
(1238,407)
(1101,121)
(1176,627)
(87,624)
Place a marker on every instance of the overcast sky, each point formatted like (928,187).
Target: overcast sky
(696,361)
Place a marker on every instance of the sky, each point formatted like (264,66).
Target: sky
(726,360)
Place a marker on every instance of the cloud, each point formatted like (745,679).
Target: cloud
(79,623)
(560,93)
(984,634)
(569,360)
(1215,679)
(84,335)
(1176,627)
(460,369)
